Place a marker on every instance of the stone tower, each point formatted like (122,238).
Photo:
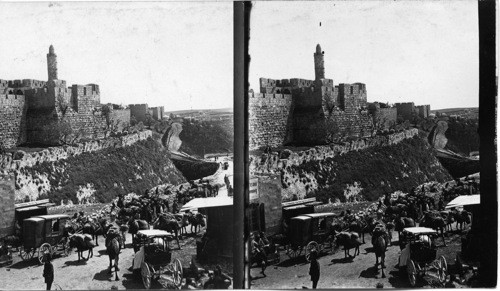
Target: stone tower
(319,64)
(52,64)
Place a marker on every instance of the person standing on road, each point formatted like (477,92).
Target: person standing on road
(48,271)
(314,268)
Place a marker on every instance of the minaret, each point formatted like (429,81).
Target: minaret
(52,64)
(319,64)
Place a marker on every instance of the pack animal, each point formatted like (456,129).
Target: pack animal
(349,240)
(82,242)
(113,248)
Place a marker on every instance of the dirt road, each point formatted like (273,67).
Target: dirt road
(91,274)
(339,272)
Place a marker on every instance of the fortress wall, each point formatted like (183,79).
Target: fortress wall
(273,163)
(139,111)
(122,116)
(12,120)
(269,119)
(405,109)
(309,126)
(350,123)
(20,159)
(388,116)
(40,98)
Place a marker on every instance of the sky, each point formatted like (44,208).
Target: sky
(176,55)
(425,52)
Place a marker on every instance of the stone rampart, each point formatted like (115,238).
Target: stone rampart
(270,118)
(20,159)
(12,120)
(274,162)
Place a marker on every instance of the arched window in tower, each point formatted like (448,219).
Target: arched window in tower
(351,89)
(84,91)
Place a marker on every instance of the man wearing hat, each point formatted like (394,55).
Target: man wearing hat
(314,268)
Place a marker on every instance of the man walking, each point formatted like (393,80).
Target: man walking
(314,268)
(48,271)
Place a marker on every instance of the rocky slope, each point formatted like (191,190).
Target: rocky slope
(364,174)
(99,176)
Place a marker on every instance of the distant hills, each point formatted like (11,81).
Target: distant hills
(456,110)
(198,111)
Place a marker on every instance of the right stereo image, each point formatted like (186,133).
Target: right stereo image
(364,145)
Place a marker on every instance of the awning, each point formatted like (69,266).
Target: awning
(208,202)
(464,200)
(43,202)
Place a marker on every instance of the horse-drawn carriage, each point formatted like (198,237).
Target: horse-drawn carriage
(154,258)
(44,235)
(308,232)
(420,254)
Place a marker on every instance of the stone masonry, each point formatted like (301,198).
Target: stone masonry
(32,110)
(312,112)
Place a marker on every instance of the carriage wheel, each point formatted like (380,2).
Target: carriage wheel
(412,272)
(146,275)
(26,254)
(442,269)
(310,247)
(293,252)
(177,273)
(44,250)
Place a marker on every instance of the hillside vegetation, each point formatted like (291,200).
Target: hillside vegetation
(101,176)
(371,173)
(203,137)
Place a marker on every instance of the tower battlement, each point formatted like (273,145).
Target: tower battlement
(28,106)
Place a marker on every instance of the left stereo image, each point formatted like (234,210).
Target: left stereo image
(116,146)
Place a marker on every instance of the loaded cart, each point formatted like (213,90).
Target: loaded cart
(420,254)
(154,258)
(44,235)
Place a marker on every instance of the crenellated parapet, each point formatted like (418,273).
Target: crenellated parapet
(29,109)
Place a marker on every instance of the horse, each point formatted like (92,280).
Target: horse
(96,228)
(462,217)
(401,223)
(82,242)
(196,220)
(134,225)
(359,226)
(380,240)
(183,222)
(168,223)
(434,221)
(348,240)
(113,248)
(448,219)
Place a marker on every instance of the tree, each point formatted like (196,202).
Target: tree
(60,132)
(133,120)
(112,125)
(62,103)
(149,121)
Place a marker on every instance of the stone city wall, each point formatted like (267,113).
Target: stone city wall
(274,162)
(12,120)
(20,159)
(269,119)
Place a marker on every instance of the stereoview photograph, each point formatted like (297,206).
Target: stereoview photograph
(116,142)
(364,145)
